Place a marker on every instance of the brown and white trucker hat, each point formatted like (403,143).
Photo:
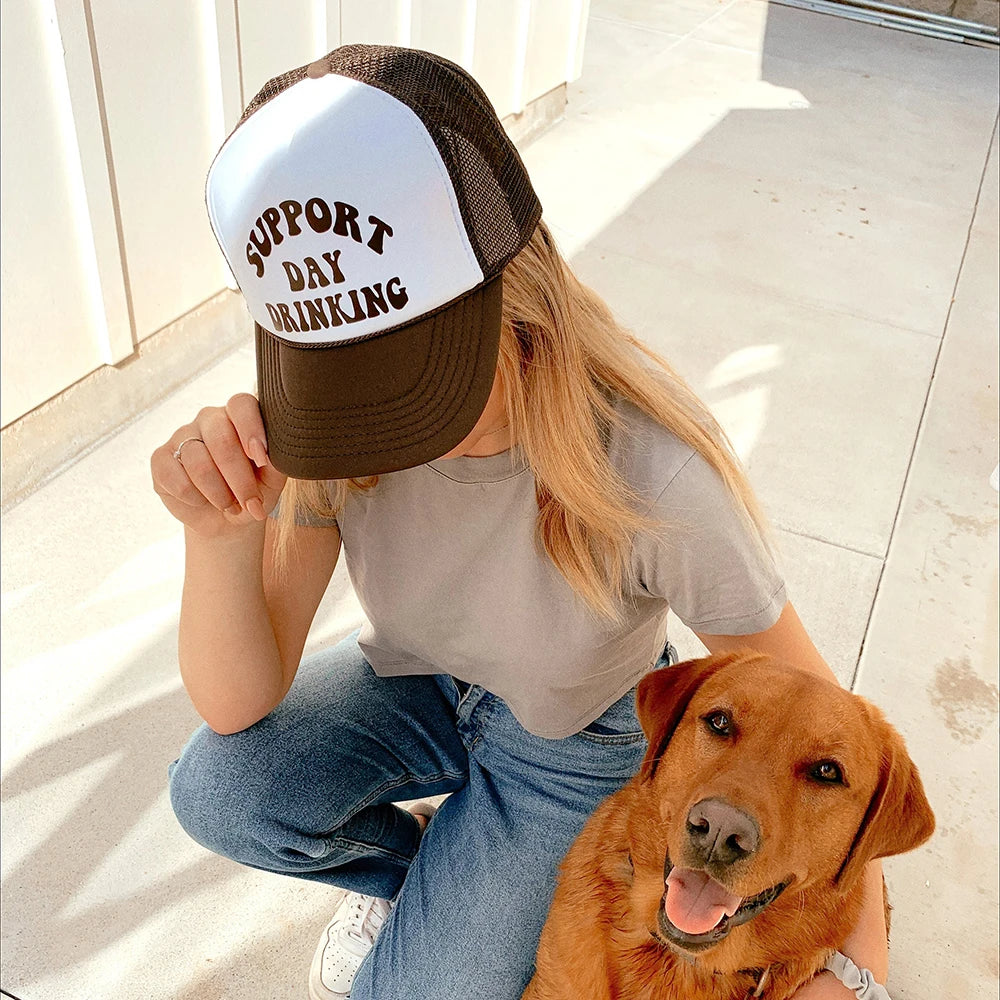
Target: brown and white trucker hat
(367,204)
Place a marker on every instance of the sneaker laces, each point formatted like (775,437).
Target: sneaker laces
(362,921)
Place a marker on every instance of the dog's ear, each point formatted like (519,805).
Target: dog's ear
(662,699)
(899,817)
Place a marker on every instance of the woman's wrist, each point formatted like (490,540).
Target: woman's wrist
(823,986)
(227,536)
(867,945)
(230,559)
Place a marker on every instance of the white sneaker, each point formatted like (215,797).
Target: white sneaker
(348,937)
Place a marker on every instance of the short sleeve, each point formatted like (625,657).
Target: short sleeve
(706,561)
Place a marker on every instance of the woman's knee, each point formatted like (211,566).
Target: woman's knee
(238,797)
(216,799)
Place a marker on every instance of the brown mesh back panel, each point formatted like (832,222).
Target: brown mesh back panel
(498,204)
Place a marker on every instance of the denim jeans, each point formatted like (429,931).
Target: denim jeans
(309,791)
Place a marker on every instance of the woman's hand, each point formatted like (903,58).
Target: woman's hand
(221,481)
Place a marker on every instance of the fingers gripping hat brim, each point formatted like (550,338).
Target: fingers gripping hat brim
(387,402)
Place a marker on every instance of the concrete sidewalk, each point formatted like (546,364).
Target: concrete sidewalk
(801,212)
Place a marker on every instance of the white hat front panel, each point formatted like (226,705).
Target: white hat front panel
(336,214)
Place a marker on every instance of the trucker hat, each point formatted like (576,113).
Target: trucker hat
(367,205)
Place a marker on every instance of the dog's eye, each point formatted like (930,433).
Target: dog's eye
(720,723)
(828,772)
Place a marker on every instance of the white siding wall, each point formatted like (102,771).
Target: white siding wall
(112,110)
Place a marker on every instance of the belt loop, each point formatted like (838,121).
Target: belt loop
(463,689)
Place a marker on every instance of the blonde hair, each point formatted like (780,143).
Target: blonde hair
(563,360)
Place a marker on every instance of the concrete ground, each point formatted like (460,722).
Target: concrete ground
(801,212)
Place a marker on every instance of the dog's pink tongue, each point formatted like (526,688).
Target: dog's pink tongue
(696,903)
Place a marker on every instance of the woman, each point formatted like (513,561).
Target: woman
(516,589)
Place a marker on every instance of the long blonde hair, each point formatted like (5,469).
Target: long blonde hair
(563,360)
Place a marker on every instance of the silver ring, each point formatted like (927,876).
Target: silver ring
(177,450)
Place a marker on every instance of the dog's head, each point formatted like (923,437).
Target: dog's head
(765,780)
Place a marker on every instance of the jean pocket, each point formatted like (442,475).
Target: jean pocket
(618,725)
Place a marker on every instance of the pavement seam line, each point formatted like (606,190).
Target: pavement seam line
(922,424)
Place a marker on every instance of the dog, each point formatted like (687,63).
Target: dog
(730,866)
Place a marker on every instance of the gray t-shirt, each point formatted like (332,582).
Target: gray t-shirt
(445,564)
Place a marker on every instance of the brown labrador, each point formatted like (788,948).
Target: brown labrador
(731,863)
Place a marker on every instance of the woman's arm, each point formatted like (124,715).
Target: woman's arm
(867,945)
(243,625)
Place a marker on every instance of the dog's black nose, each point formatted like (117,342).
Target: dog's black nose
(720,833)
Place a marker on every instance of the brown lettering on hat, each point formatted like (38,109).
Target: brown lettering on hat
(271,218)
(292,210)
(375,304)
(267,234)
(357,315)
(397,296)
(303,322)
(381,230)
(317,315)
(367,302)
(295,280)
(317,279)
(286,317)
(334,261)
(318,215)
(347,219)
(335,319)
(275,316)
(255,260)
(261,242)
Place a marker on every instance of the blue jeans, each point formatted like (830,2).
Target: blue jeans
(309,791)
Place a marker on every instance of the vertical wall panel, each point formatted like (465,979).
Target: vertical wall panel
(159,97)
(96,208)
(224,32)
(270,45)
(441,27)
(548,48)
(578,34)
(379,22)
(51,297)
(498,58)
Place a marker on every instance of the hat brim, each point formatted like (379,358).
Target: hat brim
(382,403)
